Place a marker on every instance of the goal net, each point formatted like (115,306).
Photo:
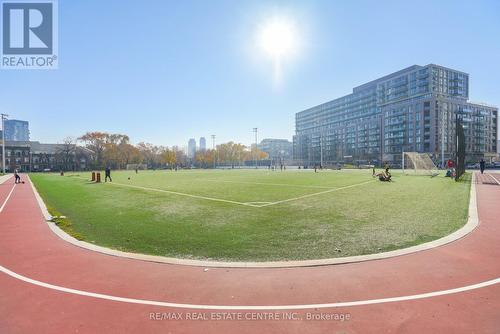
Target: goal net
(137,166)
(419,164)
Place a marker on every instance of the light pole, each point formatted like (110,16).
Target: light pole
(213,148)
(255,154)
(381,139)
(442,138)
(3,141)
(321,151)
(309,145)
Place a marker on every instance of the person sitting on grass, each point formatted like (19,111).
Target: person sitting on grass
(388,174)
(384,176)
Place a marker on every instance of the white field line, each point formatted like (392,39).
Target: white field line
(316,194)
(251,204)
(270,184)
(494,178)
(183,194)
(250,307)
(176,193)
(8,197)
(258,203)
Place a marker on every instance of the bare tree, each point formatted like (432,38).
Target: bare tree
(65,153)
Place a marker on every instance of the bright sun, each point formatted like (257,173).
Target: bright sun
(278,38)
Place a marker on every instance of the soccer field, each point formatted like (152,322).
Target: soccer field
(256,215)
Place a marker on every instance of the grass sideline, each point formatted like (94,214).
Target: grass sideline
(331,214)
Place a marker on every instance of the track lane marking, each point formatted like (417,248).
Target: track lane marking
(248,307)
(245,307)
(8,197)
(494,178)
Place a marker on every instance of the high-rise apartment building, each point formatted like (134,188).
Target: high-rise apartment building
(412,110)
(203,144)
(16,130)
(278,149)
(191,152)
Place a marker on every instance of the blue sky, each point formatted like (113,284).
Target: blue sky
(165,71)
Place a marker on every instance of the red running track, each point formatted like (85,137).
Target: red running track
(30,249)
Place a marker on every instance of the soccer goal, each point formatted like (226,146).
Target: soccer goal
(137,166)
(418,164)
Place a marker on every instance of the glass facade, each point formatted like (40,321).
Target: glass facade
(16,130)
(278,149)
(410,110)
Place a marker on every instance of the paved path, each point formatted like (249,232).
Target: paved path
(30,249)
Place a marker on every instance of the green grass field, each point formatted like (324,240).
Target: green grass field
(256,215)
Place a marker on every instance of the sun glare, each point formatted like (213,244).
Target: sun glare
(277,38)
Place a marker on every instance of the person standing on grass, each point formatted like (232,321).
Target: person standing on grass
(16,177)
(108,174)
(482,164)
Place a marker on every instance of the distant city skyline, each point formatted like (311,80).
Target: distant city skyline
(191,148)
(202,144)
(165,79)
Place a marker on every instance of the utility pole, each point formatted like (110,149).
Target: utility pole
(3,141)
(213,148)
(255,154)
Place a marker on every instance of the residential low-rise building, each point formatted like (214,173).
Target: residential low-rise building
(33,156)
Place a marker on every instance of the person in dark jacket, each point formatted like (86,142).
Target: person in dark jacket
(16,177)
(482,164)
(108,174)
